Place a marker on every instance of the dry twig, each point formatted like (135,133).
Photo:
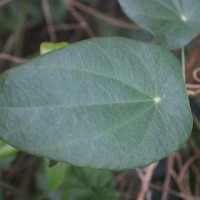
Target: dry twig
(178,194)
(3,2)
(187,164)
(170,163)
(49,21)
(196,75)
(67,27)
(11,58)
(106,18)
(83,23)
(146,179)
(191,62)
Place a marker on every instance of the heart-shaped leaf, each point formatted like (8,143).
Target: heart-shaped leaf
(103,103)
(174,23)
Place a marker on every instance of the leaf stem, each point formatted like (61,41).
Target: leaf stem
(183,61)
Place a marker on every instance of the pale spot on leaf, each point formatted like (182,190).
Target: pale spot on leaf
(184,18)
(157,99)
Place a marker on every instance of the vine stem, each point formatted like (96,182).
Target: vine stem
(183,61)
(192,86)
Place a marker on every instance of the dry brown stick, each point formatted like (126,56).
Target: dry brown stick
(49,21)
(196,121)
(11,58)
(187,164)
(77,35)
(128,192)
(179,160)
(31,167)
(106,18)
(15,167)
(83,23)
(178,181)
(11,41)
(193,143)
(181,181)
(67,27)
(119,178)
(185,182)
(197,189)
(146,181)
(180,184)
(196,75)
(170,163)
(3,2)
(178,194)
(191,62)
(197,179)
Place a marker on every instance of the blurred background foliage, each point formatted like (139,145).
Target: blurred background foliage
(24,25)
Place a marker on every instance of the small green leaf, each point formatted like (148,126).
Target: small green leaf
(85,183)
(52,163)
(102,103)
(46,47)
(6,149)
(174,23)
(55,176)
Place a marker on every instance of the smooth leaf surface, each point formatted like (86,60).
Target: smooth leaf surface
(174,23)
(103,103)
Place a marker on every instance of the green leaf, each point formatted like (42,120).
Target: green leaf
(46,47)
(102,103)
(174,23)
(55,176)
(52,163)
(85,183)
(6,149)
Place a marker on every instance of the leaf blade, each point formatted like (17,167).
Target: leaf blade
(100,115)
(173,23)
